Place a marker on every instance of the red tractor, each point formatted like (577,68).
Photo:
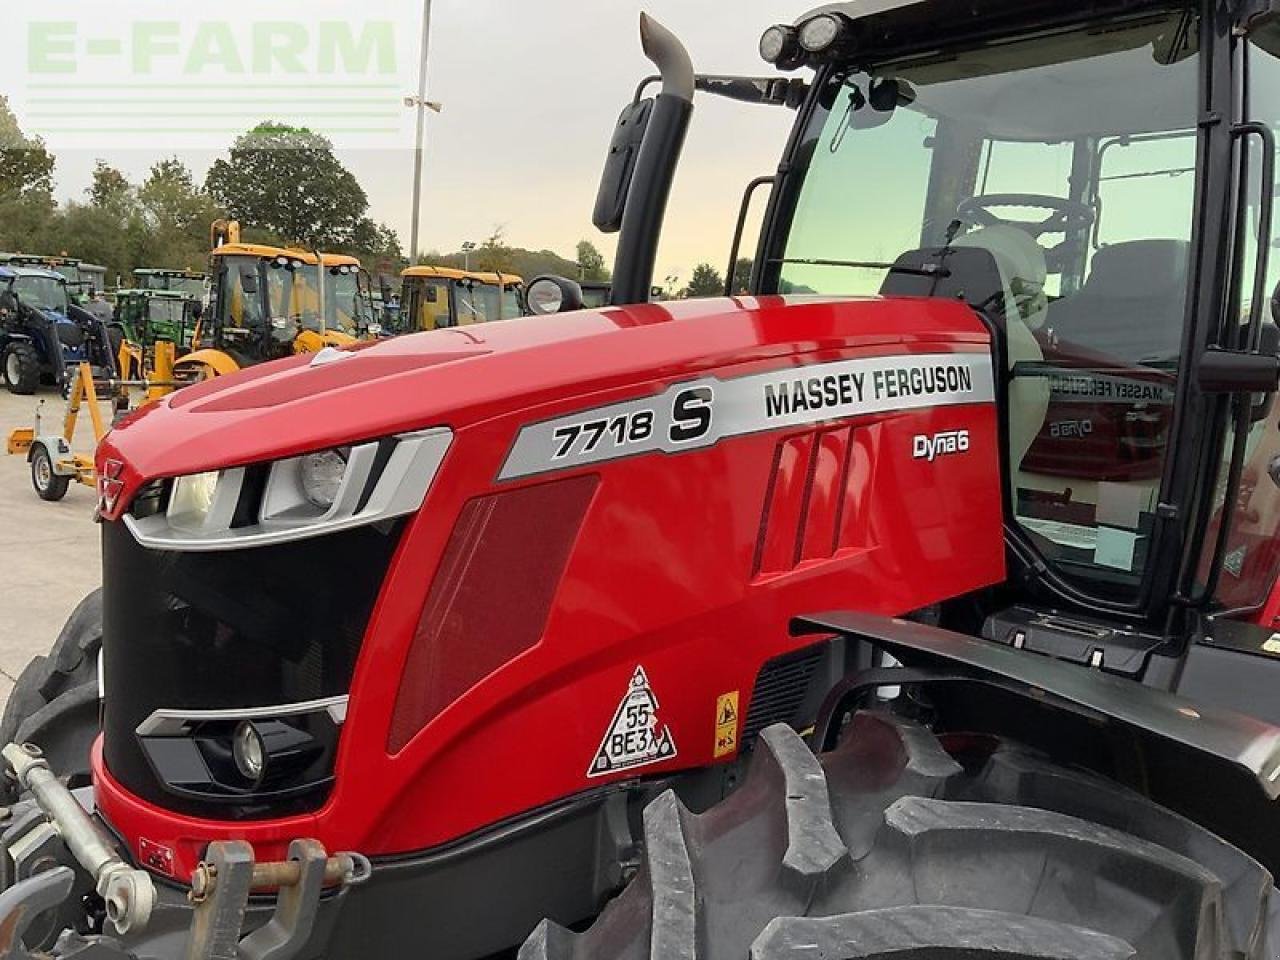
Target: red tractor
(787,625)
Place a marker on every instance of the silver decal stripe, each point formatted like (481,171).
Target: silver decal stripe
(176,723)
(701,413)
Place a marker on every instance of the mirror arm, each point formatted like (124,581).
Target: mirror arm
(769,91)
(736,247)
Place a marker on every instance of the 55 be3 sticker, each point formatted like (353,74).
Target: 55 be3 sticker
(634,737)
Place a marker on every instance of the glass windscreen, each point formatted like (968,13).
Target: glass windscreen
(42,293)
(1080,194)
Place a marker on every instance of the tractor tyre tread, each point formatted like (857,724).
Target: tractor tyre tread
(52,690)
(889,847)
(29,369)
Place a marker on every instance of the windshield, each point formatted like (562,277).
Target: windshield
(1074,201)
(166,316)
(43,293)
(189,286)
(511,305)
(478,302)
(345,309)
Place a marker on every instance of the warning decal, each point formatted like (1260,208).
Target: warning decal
(726,724)
(633,738)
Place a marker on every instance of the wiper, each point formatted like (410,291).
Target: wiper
(924,270)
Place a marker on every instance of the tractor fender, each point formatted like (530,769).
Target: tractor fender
(220,363)
(1245,746)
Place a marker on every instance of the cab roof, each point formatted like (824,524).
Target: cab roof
(293,253)
(158,294)
(162,272)
(13,273)
(453,273)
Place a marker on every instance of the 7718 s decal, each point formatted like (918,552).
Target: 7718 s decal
(691,416)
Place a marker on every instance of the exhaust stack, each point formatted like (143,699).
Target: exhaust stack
(655,167)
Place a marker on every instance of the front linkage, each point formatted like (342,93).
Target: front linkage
(54,857)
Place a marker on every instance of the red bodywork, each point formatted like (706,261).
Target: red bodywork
(689,565)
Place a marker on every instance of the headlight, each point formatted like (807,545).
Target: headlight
(820,32)
(293,499)
(192,500)
(321,475)
(777,43)
(248,752)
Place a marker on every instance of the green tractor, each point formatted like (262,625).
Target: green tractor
(145,317)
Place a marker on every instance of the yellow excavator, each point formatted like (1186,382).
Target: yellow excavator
(267,302)
(433,297)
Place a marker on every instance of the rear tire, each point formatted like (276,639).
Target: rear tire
(47,484)
(54,704)
(21,368)
(887,847)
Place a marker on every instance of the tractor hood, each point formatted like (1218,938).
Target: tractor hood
(463,376)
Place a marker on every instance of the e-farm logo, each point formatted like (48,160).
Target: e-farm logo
(195,78)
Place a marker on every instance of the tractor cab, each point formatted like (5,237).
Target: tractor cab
(1070,184)
(435,297)
(186,282)
(149,315)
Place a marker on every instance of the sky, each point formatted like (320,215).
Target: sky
(530,91)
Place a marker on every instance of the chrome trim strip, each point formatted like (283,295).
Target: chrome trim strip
(175,722)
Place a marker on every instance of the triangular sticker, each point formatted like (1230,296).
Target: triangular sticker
(633,738)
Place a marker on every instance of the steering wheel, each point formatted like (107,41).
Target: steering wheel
(1067,216)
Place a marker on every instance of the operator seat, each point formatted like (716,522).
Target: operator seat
(1000,270)
(1131,307)
(1023,272)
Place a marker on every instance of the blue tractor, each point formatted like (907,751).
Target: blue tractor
(44,336)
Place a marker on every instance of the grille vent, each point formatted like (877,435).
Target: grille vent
(780,690)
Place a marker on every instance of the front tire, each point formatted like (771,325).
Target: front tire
(21,368)
(54,703)
(48,485)
(888,847)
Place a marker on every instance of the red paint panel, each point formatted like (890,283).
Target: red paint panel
(826,494)
(780,528)
(490,598)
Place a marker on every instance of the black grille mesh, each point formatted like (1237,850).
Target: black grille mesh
(779,691)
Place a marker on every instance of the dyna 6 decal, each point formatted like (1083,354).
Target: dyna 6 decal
(699,414)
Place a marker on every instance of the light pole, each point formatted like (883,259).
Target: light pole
(466,255)
(421,104)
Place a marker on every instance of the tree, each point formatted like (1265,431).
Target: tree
(591,268)
(495,253)
(705,282)
(742,275)
(287,181)
(26,167)
(110,189)
(177,213)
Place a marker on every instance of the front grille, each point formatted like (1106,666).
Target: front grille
(229,629)
(780,691)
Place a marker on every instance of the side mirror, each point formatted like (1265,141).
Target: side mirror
(551,294)
(197,311)
(620,165)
